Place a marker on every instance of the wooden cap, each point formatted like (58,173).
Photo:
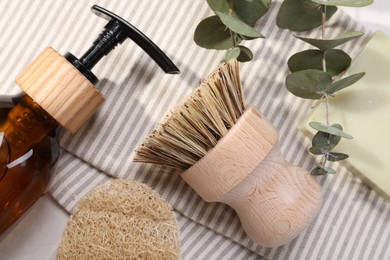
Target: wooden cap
(60,89)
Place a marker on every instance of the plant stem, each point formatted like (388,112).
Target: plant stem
(324,61)
(323,21)
(327,109)
(325,158)
(232,35)
(323,36)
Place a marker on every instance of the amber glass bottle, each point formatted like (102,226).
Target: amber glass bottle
(56,94)
(26,131)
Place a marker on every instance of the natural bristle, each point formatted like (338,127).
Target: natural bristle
(194,127)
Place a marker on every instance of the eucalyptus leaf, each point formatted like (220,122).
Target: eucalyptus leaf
(321,138)
(245,54)
(222,6)
(248,11)
(325,44)
(232,54)
(353,3)
(301,15)
(331,129)
(246,38)
(336,61)
(318,171)
(345,82)
(211,33)
(334,157)
(238,26)
(309,59)
(320,149)
(310,84)
(329,170)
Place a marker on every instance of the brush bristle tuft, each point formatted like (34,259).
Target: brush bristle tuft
(194,127)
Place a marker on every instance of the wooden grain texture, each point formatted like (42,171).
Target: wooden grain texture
(59,88)
(234,157)
(274,200)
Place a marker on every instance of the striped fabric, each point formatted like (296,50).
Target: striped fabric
(354,220)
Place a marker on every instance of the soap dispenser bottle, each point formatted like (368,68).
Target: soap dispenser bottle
(59,91)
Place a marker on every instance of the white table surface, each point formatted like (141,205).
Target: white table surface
(38,232)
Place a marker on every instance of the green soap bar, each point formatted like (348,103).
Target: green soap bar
(363,110)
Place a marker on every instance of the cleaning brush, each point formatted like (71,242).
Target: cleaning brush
(228,153)
(195,127)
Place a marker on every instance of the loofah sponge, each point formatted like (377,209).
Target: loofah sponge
(121,219)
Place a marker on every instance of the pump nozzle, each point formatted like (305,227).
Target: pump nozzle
(116,31)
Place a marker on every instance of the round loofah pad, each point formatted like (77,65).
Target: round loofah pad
(121,219)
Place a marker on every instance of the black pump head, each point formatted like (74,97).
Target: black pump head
(116,31)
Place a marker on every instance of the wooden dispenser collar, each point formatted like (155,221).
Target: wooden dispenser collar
(60,89)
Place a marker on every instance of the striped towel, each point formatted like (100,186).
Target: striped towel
(354,220)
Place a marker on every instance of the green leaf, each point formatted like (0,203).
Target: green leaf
(332,129)
(320,149)
(321,138)
(345,82)
(301,15)
(329,170)
(322,171)
(325,44)
(222,6)
(334,157)
(211,33)
(246,38)
(336,61)
(232,54)
(309,84)
(318,171)
(353,3)
(238,26)
(245,54)
(323,142)
(309,59)
(248,11)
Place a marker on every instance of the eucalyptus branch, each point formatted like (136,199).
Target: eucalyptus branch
(313,72)
(323,7)
(232,23)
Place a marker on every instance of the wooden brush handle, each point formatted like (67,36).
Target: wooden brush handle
(274,200)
